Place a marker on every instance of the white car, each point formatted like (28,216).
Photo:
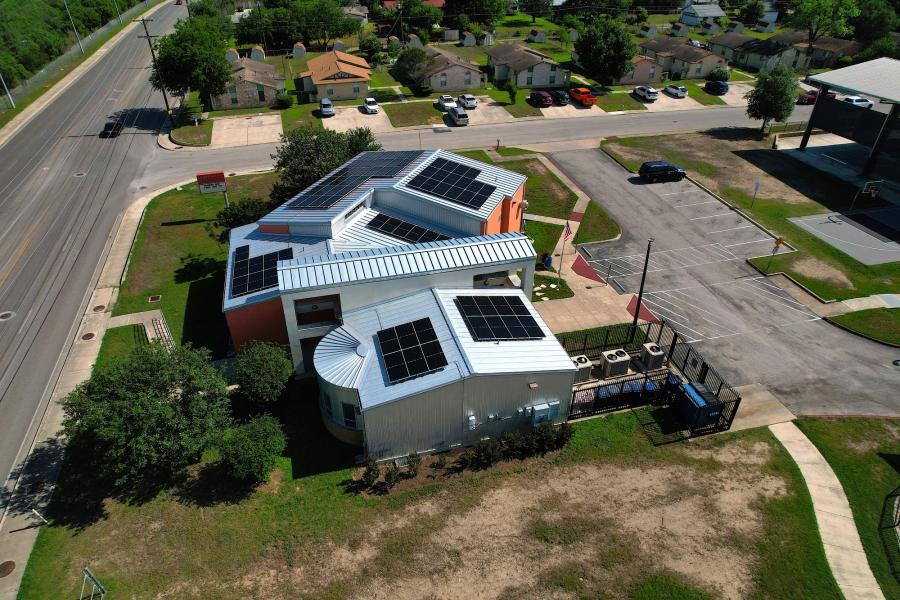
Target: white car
(646,92)
(370,106)
(676,91)
(446,102)
(467,101)
(859,101)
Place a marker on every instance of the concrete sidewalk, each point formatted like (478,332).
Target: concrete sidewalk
(840,538)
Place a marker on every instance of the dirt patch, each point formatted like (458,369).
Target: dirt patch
(816,269)
(274,484)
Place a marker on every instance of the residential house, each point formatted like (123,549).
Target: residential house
(357,13)
(392,4)
(764,26)
(451,35)
(468,39)
(826,51)
(232,55)
(643,70)
(709,27)
(681,60)
(253,84)
(761,55)
(528,67)
(339,45)
(299,50)
(257,53)
(696,13)
(413,41)
(488,38)
(537,35)
(337,75)
(680,30)
(574,35)
(647,30)
(449,72)
(735,27)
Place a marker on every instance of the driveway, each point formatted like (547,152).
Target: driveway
(348,117)
(245,130)
(698,280)
(571,110)
(488,111)
(735,95)
(666,102)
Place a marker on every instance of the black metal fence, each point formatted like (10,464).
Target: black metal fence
(627,392)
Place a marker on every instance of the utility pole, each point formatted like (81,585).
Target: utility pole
(637,309)
(75,29)
(116,4)
(12,103)
(149,39)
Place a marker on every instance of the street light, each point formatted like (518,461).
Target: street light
(637,309)
(12,103)
(75,29)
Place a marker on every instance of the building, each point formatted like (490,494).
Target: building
(392,4)
(357,13)
(734,27)
(681,60)
(765,26)
(299,50)
(696,13)
(253,84)
(770,12)
(449,72)
(755,53)
(338,45)
(257,53)
(488,38)
(397,244)
(467,39)
(680,30)
(413,41)
(826,51)
(643,70)
(451,35)
(337,75)
(709,28)
(647,30)
(537,35)
(573,34)
(528,67)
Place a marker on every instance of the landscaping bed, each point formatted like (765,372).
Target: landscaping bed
(559,292)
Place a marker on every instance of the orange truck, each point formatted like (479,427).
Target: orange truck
(583,96)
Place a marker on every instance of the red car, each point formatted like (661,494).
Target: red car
(583,96)
(810,96)
(540,99)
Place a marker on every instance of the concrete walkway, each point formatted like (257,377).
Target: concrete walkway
(840,538)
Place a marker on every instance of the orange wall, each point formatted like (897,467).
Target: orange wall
(273,229)
(263,321)
(507,216)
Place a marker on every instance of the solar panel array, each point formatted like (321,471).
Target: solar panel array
(376,165)
(494,318)
(454,182)
(411,350)
(405,231)
(258,273)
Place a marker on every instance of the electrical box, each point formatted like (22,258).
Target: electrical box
(584,366)
(541,413)
(652,356)
(614,363)
(473,423)
(554,409)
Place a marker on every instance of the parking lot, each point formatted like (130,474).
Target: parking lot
(348,117)
(699,281)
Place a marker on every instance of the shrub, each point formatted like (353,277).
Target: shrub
(263,370)
(518,444)
(249,451)
(391,476)
(413,462)
(719,74)
(241,212)
(540,440)
(369,44)
(439,463)
(484,454)
(284,101)
(371,473)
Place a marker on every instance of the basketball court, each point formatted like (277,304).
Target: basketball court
(871,236)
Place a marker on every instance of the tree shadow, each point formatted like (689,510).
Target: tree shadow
(204,325)
(33,490)
(893,460)
(734,134)
(143,119)
(212,485)
(194,267)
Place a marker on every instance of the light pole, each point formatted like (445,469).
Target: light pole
(75,29)
(116,4)
(12,103)
(637,309)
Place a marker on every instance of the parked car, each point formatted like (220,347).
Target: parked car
(646,92)
(112,129)
(676,91)
(859,101)
(446,102)
(370,106)
(467,101)
(810,97)
(326,108)
(459,116)
(539,98)
(716,88)
(178,2)
(583,96)
(560,97)
(660,170)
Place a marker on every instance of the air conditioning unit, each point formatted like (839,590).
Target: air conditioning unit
(584,366)
(614,363)
(652,356)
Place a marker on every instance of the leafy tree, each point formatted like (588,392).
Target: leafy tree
(821,17)
(487,12)
(752,11)
(719,74)
(272,27)
(148,415)
(412,65)
(420,16)
(305,155)
(242,212)
(391,476)
(882,47)
(564,38)
(249,452)
(605,49)
(263,370)
(369,44)
(322,21)
(509,86)
(216,12)
(413,461)
(876,20)
(773,96)
(536,8)
(193,57)
(570,21)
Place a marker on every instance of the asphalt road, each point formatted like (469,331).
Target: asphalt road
(61,191)
(750,330)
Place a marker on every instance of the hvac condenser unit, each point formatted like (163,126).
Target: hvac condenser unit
(652,356)
(614,363)
(584,366)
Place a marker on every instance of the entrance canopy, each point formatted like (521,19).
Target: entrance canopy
(879,78)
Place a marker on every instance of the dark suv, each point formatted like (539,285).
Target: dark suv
(660,170)
(561,97)
(716,88)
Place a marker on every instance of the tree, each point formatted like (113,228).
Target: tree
(420,16)
(263,370)
(371,473)
(876,20)
(719,74)
(216,12)
(369,44)
(412,65)
(605,49)
(242,212)
(536,8)
(305,155)
(321,21)
(509,86)
(882,47)
(249,452)
(192,58)
(821,17)
(148,415)
(773,96)
(487,12)
(412,464)
(753,11)
(564,38)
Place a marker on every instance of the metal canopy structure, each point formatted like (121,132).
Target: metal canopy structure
(879,78)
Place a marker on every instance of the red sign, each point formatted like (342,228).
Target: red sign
(211,181)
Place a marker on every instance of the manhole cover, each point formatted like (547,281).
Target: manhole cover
(154,298)
(88,336)
(143,187)
(99,308)
(79,174)
(232,174)
(896,362)
(7,568)
(7,315)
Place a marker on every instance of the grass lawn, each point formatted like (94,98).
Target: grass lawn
(562,289)
(547,195)
(619,101)
(289,67)
(407,114)
(119,342)
(696,91)
(544,236)
(381,77)
(475,154)
(187,134)
(864,454)
(300,115)
(662,19)
(473,54)
(738,75)
(175,257)
(520,24)
(878,323)
(595,226)
(520,109)
(505,151)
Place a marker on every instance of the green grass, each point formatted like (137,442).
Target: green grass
(186,133)
(547,195)
(864,455)
(561,291)
(473,54)
(520,23)
(544,236)
(619,101)
(381,77)
(595,226)
(877,323)
(666,587)
(300,115)
(738,75)
(408,114)
(662,19)
(651,143)
(520,109)
(175,257)
(696,91)
(118,342)
(505,151)
(475,154)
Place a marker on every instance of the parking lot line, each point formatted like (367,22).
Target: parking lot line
(709,216)
(694,307)
(697,203)
(676,193)
(750,242)
(780,299)
(730,229)
(676,258)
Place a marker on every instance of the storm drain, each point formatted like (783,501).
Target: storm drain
(88,337)
(7,568)
(99,308)
(154,298)
(7,315)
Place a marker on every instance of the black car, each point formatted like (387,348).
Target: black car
(717,88)
(560,97)
(112,129)
(660,170)
(596,90)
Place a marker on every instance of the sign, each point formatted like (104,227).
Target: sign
(779,241)
(871,189)
(756,188)
(211,181)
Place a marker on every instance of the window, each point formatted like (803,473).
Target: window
(261,92)
(232,91)
(652,73)
(699,69)
(467,79)
(356,90)
(530,79)
(496,279)
(443,82)
(317,312)
(552,78)
(329,92)
(349,415)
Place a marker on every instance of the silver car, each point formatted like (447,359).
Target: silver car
(445,102)
(467,101)
(676,91)
(326,108)
(458,116)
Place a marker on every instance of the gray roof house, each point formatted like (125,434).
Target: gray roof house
(527,66)
(755,53)
(695,13)
(253,84)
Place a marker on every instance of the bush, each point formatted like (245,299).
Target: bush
(284,101)
(391,476)
(540,440)
(249,451)
(369,44)
(518,445)
(484,454)
(371,473)
(439,463)
(241,212)
(263,370)
(719,74)
(413,462)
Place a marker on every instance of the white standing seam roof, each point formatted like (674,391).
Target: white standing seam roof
(341,356)
(356,236)
(403,261)
(879,78)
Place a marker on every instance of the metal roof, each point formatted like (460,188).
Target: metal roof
(879,78)
(341,356)
(705,11)
(356,236)
(403,261)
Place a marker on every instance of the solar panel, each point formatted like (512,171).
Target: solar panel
(403,230)
(493,318)
(454,182)
(258,273)
(411,350)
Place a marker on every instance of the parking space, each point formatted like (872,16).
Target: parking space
(245,130)
(348,117)
(488,111)
(666,102)
(571,110)
(736,92)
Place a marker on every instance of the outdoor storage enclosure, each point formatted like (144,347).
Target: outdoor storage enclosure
(695,406)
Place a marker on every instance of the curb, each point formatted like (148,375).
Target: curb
(860,334)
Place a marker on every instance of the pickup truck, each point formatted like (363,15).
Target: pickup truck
(583,96)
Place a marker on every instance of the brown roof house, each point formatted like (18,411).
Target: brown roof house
(527,66)
(337,75)
(253,84)
(681,60)
(826,50)
(754,53)
(643,70)
(449,72)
